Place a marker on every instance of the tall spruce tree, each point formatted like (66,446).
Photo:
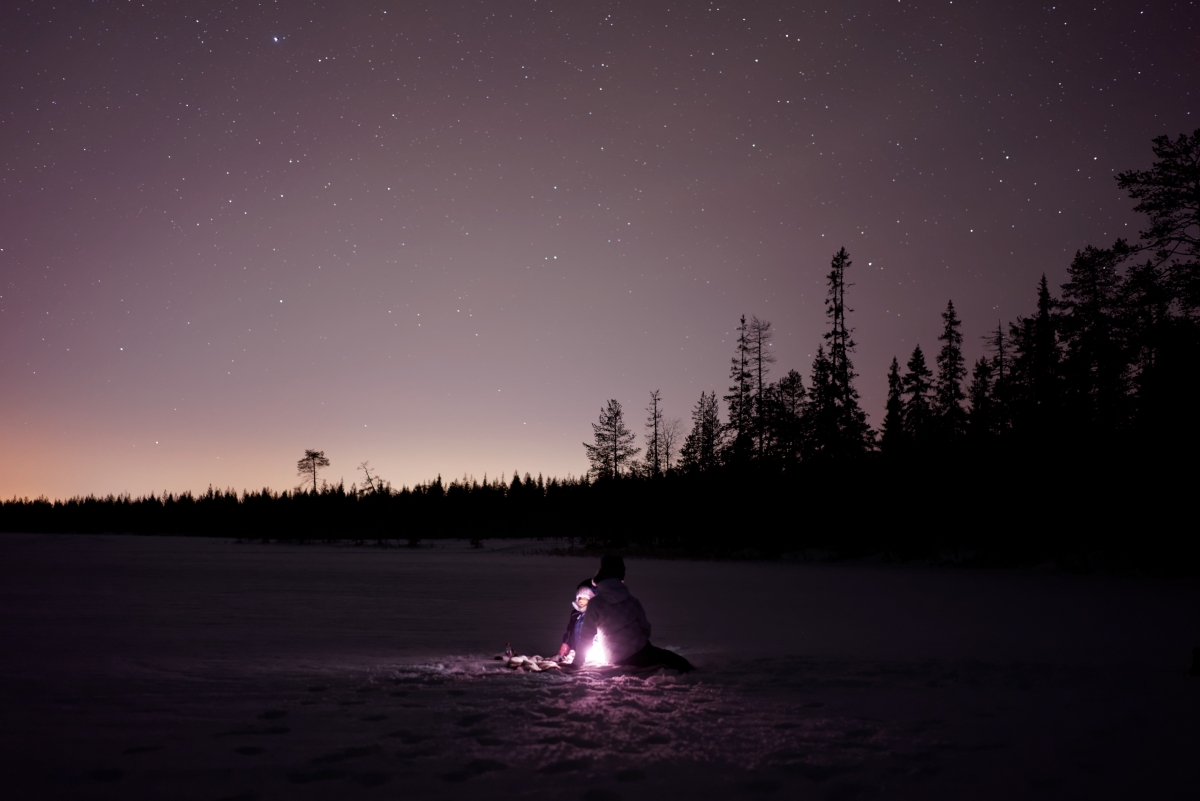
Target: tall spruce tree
(892,439)
(740,400)
(846,432)
(702,448)
(948,409)
(655,433)
(918,400)
(613,447)
(838,335)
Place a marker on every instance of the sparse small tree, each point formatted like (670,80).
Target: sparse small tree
(671,436)
(740,399)
(310,464)
(760,360)
(613,447)
(374,485)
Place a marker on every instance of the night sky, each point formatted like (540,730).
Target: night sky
(440,236)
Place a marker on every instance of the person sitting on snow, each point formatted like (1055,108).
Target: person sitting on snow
(622,623)
(570,641)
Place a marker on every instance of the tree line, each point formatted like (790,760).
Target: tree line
(1069,440)
(1109,366)
(776,423)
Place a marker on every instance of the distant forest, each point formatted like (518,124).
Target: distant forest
(1071,441)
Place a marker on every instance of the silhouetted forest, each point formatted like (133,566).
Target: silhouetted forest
(1071,440)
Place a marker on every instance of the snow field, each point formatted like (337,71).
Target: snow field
(167,667)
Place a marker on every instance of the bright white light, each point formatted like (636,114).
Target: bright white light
(598,655)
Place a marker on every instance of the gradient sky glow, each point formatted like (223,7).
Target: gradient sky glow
(439,236)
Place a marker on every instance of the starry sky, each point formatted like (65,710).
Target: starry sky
(440,236)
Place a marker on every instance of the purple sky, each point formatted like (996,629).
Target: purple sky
(438,237)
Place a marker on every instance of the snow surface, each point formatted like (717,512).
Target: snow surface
(138,667)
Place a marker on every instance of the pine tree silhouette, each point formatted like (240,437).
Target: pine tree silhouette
(948,408)
(788,421)
(840,428)
(655,431)
(821,431)
(613,447)
(892,435)
(309,464)
(1001,380)
(702,448)
(1035,386)
(1169,194)
(918,400)
(1162,293)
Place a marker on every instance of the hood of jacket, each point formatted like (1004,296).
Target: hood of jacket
(612,590)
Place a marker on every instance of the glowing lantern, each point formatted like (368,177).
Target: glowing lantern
(598,655)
